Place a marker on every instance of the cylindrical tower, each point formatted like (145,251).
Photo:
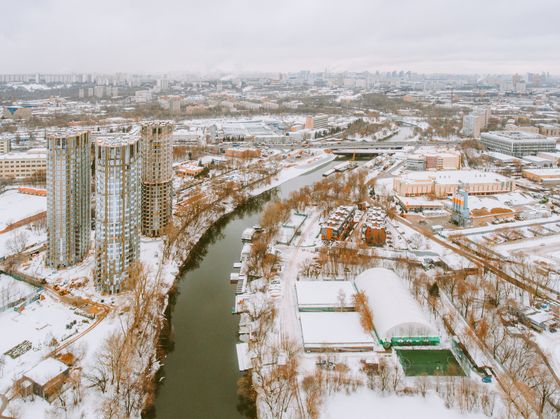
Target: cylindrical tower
(157,176)
(117,208)
(68,198)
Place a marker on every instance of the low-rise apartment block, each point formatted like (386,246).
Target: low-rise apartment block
(22,165)
(317,122)
(373,229)
(433,161)
(339,223)
(549,130)
(5,145)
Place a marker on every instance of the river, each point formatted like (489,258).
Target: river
(404,134)
(200,373)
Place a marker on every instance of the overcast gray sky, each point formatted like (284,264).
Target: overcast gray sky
(460,36)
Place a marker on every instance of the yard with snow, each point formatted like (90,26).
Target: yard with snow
(45,323)
(365,403)
(15,206)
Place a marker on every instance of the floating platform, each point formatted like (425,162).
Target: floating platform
(248,234)
(241,284)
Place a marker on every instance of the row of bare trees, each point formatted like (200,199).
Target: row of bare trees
(328,377)
(125,364)
(486,302)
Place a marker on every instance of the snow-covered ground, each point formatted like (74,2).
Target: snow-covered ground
(365,403)
(15,206)
(451,258)
(39,322)
(26,235)
(550,345)
(494,227)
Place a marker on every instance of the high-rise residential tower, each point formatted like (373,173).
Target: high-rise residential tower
(118,165)
(68,198)
(157,176)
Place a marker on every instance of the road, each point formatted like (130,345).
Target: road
(103,311)
(290,328)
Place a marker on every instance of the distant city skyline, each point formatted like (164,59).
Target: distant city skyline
(430,36)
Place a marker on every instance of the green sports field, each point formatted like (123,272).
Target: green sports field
(429,362)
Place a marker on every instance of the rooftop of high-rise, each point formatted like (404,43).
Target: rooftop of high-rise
(116,140)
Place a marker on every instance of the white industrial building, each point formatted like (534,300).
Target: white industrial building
(334,331)
(516,143)
(325,295)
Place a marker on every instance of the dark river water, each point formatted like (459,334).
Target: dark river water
(198,379)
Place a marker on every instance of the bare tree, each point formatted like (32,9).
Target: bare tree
(18,242)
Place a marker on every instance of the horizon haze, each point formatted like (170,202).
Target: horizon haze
(432,36)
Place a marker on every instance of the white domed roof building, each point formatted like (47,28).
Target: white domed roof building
(397,316)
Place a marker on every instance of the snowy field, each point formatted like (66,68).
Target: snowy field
(15,206)
(365,403)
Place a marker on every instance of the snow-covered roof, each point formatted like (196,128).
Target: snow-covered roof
(23,156)
(328,329)
(544,172)
(501,156)
(46,370)
(514,198)
(243,358)
(322,294)
(453,176)
(513,136)
(115,140)
(536,159)
(488,202)
(395,312)
(419,201)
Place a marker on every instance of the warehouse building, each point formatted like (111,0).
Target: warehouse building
(544,176)
(325,295)
(554,157)
(334,331)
